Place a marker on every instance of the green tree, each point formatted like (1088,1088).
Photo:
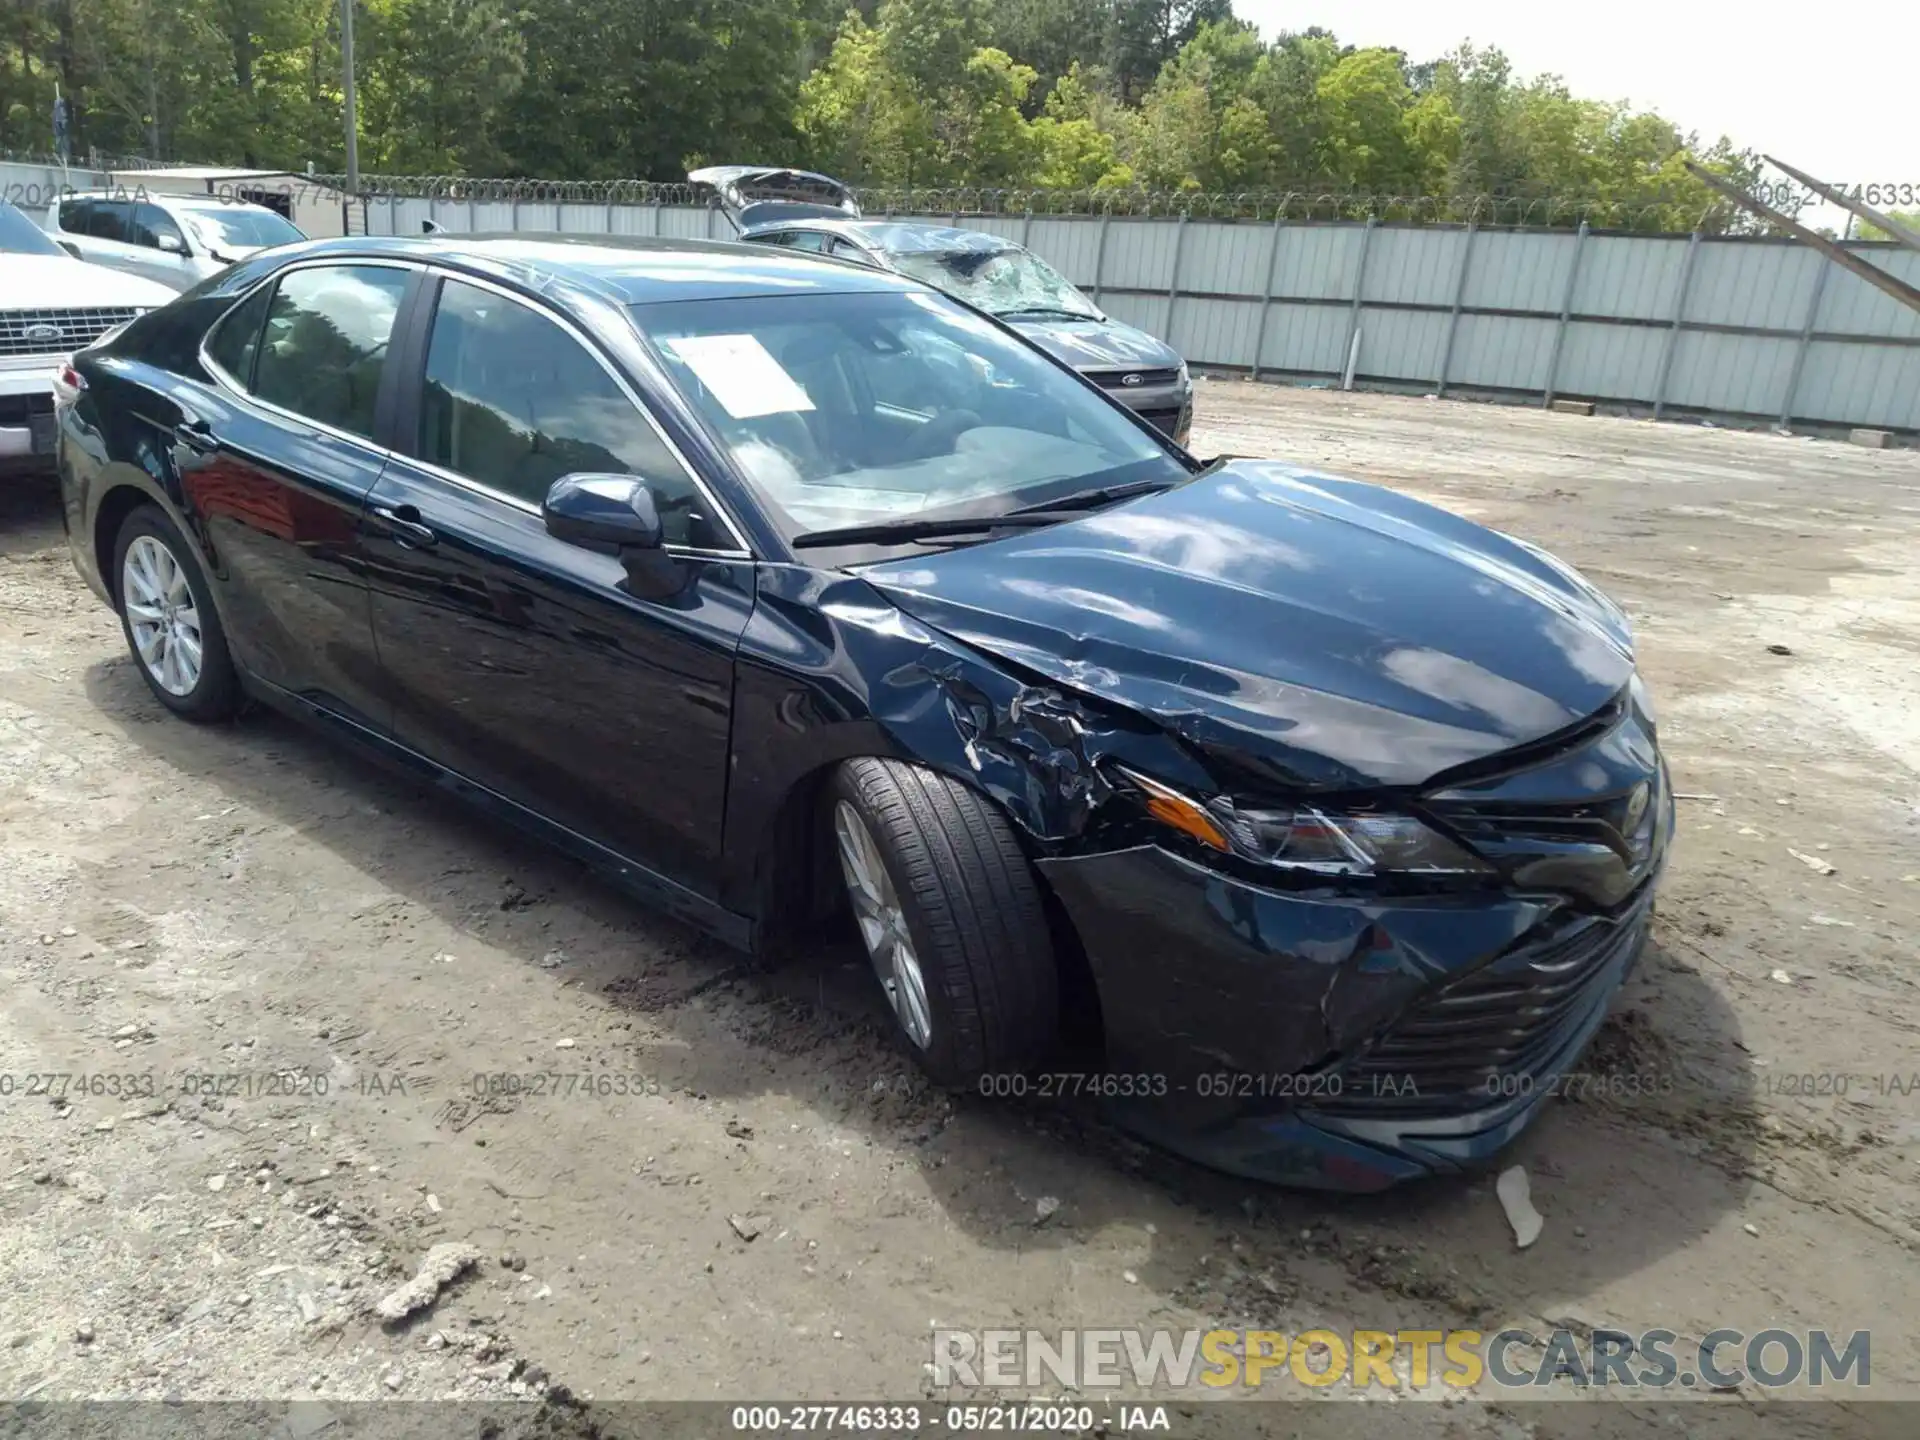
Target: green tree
(437,76)
(1075,150)
(859,117)
(1143,35)
(1377,137)
(1867,230)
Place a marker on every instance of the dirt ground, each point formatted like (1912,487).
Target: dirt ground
(247,902)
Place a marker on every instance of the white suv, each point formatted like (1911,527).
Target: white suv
(50,306)
(178,240)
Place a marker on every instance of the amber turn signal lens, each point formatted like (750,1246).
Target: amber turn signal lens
(1170,807)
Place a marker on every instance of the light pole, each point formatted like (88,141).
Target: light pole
(353,122)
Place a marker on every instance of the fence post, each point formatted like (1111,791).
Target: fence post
(1453,320)
(1806,342)
(1100,255)
(433,208)
(1173,281)
(1566,311)
(473,213)
(1266,295)
(393,213)
(513,212)
(609,215)
(1673,331)
(656,217)
(1359,286)
(1026,228)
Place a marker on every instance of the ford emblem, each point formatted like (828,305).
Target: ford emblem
(1133,380)
(45,332)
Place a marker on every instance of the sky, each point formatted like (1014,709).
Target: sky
(1828,89)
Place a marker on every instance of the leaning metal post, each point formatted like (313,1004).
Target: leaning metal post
(1566,313)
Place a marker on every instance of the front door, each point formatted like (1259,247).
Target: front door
(535,668)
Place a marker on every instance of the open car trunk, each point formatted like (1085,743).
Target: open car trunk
(755,195)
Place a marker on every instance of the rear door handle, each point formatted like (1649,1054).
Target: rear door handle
(405,523)
(197,436)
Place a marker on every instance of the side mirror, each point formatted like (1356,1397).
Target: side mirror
(172,244)
(432,227)
(615,510)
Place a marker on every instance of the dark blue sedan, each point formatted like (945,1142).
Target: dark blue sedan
(795,594)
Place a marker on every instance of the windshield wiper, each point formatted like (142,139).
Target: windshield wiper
(902,531)
(1101,495)
(1047,310)
(1114,494)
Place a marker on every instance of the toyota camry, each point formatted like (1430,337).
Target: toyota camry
(795,594)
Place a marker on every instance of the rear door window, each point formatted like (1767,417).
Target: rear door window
(108,220)
(325,342)
(236,339)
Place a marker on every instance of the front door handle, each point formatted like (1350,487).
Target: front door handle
(197,436)
(405,523)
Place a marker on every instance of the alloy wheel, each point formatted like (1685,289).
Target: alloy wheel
(161,615)
(883,925)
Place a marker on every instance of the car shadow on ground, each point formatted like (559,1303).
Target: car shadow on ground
(1626,1172)
(29,511)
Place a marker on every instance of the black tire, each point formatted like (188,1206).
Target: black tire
(216,693)
(973,912)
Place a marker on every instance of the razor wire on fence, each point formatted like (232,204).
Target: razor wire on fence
(1679,212)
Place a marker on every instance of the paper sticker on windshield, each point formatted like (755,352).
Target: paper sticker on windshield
(741,374)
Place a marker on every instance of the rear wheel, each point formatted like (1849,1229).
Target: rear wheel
(950,914)
(166,611)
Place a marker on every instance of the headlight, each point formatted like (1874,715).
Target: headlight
(1643,702)
(1186,380)
(1309,838)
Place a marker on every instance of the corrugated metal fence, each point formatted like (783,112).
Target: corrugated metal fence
(1759,328)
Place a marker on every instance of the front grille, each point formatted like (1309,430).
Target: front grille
(1116,380)
(1486,1036)
(57,332)
(1165,421)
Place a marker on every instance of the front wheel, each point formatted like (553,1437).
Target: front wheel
(949,912)
(167,613)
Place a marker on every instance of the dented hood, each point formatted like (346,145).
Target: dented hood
(1328,633)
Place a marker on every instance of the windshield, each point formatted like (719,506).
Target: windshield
(1001,282)
(851,409)
(20,236)
(239,229)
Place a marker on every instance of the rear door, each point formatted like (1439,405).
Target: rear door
(109,225)
(532,667)
(276,458)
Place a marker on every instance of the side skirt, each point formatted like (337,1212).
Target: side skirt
(644,884)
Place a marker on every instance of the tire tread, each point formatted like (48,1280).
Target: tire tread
(975,906)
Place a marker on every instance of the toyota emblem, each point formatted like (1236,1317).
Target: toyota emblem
(45,332)
(1133,380)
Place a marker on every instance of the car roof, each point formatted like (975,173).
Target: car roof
(631,270)
(899,237)
(161,197)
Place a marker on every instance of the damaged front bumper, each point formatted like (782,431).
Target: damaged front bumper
(1335,1041)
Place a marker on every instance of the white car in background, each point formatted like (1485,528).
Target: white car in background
(177,240)
(50,306)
